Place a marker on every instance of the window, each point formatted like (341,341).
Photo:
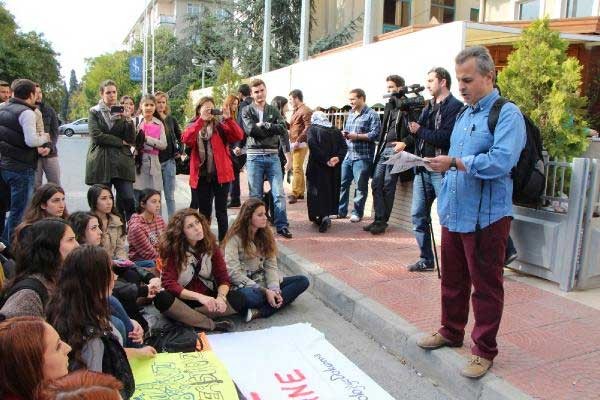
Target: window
(396,14)
(193,9)
(529,10)
(474,15)
(579,8)
(442,10)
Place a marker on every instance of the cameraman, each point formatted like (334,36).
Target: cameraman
(391,140)
(431,137)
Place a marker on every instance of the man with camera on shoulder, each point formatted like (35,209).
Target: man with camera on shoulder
(431,138)
(392,139)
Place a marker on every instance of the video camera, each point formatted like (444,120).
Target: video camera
(412,105)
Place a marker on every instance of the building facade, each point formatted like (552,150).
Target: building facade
(172,14)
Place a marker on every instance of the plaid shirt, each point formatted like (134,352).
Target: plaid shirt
(367,121)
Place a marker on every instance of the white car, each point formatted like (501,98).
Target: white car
(79,126)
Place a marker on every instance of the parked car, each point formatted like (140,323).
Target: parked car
(79,126)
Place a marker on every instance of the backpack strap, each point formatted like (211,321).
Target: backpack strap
(495,113)
(27,283)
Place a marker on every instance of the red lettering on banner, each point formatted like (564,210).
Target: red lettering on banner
(255,396)
(291,378)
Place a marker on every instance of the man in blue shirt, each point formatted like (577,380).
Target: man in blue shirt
(475,209)
(360,130)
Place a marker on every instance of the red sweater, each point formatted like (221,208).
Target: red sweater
(170,277)
(143,237)
(232,133)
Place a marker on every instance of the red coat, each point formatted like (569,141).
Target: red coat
(231,133)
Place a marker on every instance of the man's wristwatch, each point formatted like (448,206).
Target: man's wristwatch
(453,166)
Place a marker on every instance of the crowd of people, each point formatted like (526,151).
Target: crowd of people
(84,281)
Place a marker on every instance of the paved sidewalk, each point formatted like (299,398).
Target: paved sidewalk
(549,346)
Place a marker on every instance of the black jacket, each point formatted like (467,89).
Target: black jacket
(437,122)
(173,133)
(263,137)
(50,125)
(400,128)
(16,155)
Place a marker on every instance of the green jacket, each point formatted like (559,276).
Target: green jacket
(108,158)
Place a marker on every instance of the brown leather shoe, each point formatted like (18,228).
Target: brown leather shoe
(477,367)
(292,199)
(435,341)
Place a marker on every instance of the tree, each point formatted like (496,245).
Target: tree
(73,84)
(227,82)
(545,83)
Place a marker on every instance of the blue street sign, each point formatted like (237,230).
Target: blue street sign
(135,68)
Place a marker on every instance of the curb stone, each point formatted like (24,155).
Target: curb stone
(397,335)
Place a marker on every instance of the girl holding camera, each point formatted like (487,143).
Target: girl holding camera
(211,170)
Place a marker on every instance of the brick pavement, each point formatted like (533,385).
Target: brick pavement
(549,346)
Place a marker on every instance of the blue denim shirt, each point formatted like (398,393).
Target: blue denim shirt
(488,160)
(367,121)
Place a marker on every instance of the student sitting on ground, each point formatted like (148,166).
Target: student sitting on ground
(79,310)
(114,237)
(32,354)
(48,201)
(41,252)
(145,229)
(133,282)
(84,385)
(251,257)
(195,275)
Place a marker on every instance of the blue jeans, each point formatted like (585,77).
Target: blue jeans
(121,321)
(268,166)
(421,210)
(383,187)
(145,263)
(21,190)
(169,175)
(291,287)
(359,171)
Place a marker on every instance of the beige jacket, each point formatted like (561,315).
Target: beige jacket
(247,270)
(113,239)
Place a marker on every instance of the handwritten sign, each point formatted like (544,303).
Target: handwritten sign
(292,362)
(186,376)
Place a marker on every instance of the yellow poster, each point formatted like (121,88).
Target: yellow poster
(185,376)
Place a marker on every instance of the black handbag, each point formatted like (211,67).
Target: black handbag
(182,166)
(177,338)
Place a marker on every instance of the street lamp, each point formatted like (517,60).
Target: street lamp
(210,63)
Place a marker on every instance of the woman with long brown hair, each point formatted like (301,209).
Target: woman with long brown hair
(211,170)
(32,354)
(48,201)
(251,257)
(195,275)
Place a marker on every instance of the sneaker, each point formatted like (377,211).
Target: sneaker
(379,228)
(511,257)
(355,218)
(253,313)
(285,232)
(292,199)
(435,341)
(477,367)
(367,228)
(234,203)
(224,325)
(324,225)
(301,197)
(420,266)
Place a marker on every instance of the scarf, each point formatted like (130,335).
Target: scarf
(206,152)
(320,118)
(105,112)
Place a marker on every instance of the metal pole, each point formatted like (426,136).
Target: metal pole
(152,31)
(203,69)
(368,23)
(267,38)
(304,30)
(145,37)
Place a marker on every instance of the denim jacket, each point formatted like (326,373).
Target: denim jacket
(482,193)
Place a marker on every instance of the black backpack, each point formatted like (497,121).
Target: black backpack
(177,338)
(528,175)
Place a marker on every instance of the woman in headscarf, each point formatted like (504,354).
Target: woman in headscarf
(327,148)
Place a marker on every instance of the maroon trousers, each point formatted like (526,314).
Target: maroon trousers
(474,259)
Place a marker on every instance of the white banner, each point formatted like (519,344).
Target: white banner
(292,362)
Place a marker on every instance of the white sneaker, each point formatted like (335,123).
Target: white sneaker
(355,218)
(251,314)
